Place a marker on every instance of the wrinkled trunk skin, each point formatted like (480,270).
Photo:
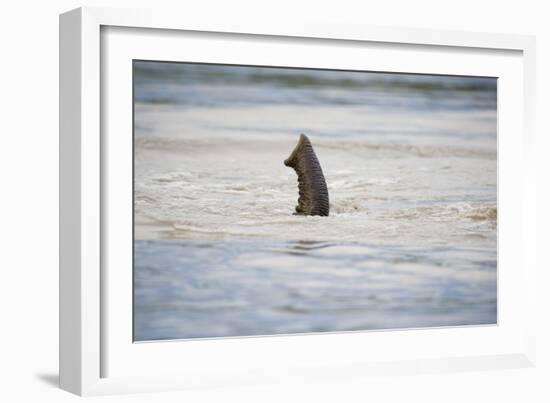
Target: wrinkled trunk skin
(312,187)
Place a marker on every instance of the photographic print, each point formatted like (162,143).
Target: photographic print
(275,200)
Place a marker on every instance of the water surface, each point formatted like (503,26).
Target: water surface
(410,163)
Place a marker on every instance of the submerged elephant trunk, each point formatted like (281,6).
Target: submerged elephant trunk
(312,187)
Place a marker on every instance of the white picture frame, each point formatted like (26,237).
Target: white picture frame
(96,356)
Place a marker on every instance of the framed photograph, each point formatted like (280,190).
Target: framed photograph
(252,202)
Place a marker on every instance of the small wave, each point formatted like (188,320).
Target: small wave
(409,149)
(474,212)
(238,188)
(175,143)
(183,231)
(349,205)
(358,183)
(483,213)
(200,146)
(449,212)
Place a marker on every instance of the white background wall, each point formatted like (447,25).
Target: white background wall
(29,186)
